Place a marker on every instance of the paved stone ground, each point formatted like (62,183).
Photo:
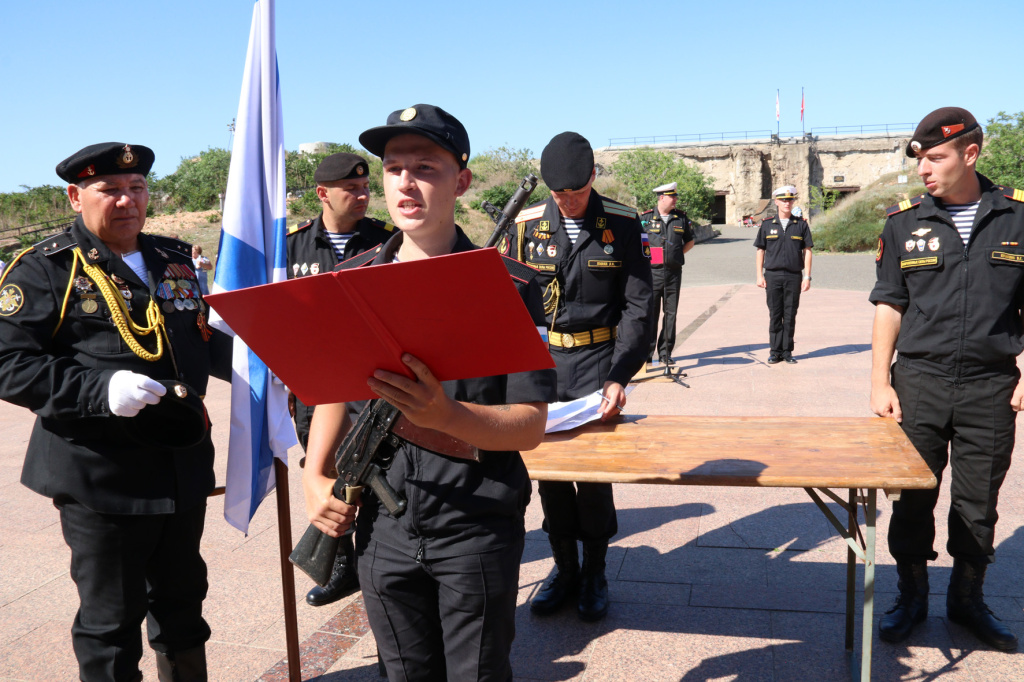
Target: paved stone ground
(707,583)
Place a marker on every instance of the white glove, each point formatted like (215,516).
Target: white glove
(129,392)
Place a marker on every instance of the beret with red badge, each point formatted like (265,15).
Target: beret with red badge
(106,158)
(942,125)
(341,166)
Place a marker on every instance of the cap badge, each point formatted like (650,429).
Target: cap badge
(359,169)
(915,145)
(408,115)
(465,156)
(127,158)
(952,130)
(88,171)
(180,391)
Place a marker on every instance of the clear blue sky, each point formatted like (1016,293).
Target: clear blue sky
(168,74)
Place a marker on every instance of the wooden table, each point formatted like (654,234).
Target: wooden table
(813,453)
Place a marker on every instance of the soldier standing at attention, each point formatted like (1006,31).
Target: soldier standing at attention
(950,267)
(595,270)
(341,231)
(103,336)
(783,265)
(669,229)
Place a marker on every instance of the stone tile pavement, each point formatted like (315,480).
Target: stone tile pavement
(707,583)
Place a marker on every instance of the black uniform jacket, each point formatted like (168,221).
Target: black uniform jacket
(784,249)
(58,349)
(671,235)
(457,506)
(310,251)
(961,304)
(604,280)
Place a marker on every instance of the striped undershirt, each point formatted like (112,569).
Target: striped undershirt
(338,241)
(572,228)
(963,217)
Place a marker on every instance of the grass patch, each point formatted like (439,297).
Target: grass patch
(856,222)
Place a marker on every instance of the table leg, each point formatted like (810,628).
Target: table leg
(869,586)
(851,569)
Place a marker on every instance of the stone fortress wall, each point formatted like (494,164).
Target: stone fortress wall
(746,171)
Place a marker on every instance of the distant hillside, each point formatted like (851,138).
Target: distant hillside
(855,223)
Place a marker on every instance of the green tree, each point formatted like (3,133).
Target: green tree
(194,186)
(1002,155)
(641,170)
(34,205)
(822,199)
(502,165)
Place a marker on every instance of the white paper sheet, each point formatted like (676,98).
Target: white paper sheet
(569,415)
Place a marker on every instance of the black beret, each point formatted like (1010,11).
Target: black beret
(942,125)
(567,163)
(341,166)
(106,158)
(178,421)
(433,123)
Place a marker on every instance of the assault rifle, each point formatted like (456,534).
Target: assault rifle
(362,460)
(507,216)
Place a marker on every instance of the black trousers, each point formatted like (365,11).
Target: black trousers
(970,426)
(783,300)
(442,619)
(667,281)
(130,568)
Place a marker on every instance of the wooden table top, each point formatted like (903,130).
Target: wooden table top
(815,452)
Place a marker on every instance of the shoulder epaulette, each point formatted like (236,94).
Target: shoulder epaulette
(615,208)
(298,227)
(364,258)
(1015,194)
(905,205)
(176,245)
(520,272)
(382,225)
(531,213)
(650,210)
(55,244)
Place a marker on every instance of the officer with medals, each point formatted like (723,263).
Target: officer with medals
(595,270)
(783,266)
(669,230)
(440,582)
(103,335)
(950,268)
(340,232)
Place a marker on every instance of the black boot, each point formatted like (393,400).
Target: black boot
(911,605)
(344,578)
(593,604)
(182,666)
(965,604)
(563,585)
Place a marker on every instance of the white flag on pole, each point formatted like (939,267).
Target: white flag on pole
(252,252)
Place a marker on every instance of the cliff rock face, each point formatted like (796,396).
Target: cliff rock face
(746,172)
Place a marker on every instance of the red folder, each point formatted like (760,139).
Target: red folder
(324,335)
(657,255)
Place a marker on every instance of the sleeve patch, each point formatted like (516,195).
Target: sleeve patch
(11,300)
(878,253)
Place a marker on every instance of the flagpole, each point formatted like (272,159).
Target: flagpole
(803,129)
(778,129)
(251,253)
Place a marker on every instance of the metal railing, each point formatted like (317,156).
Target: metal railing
(887,128)
(743,135)
(13,235)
